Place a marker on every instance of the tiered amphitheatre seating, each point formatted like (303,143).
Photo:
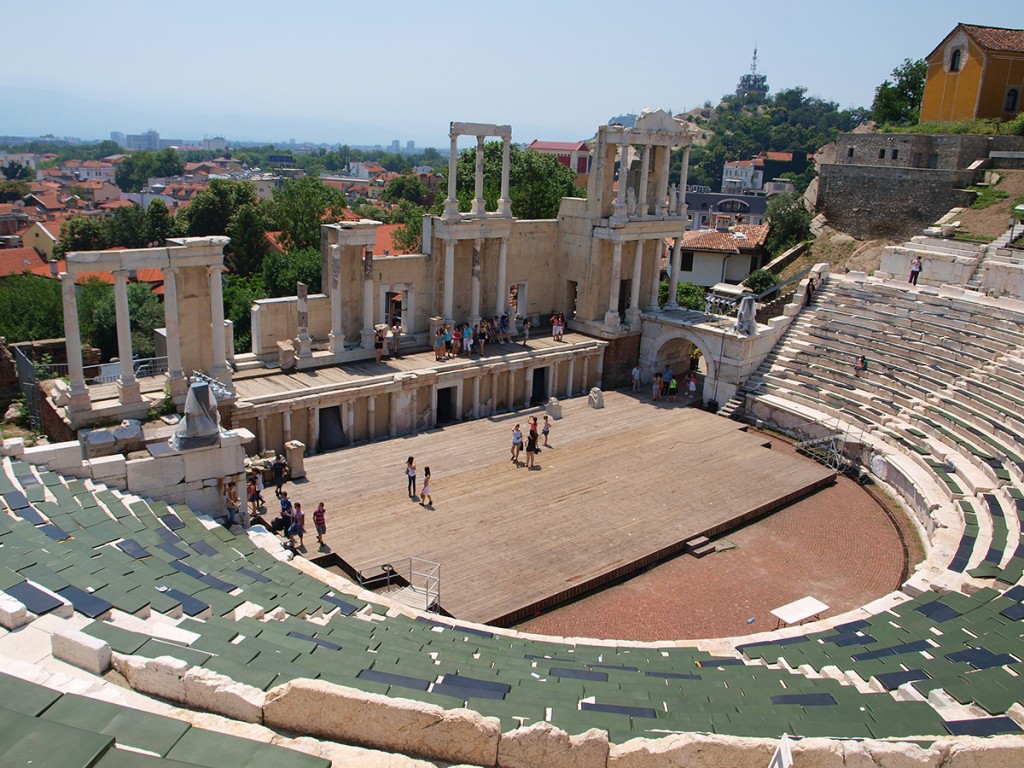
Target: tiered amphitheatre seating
(154,581)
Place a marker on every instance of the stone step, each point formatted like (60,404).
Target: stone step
(696,542)
(707,549)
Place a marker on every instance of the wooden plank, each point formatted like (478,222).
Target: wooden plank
(619,487)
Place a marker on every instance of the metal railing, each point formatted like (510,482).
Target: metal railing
(144,367)
(416,578)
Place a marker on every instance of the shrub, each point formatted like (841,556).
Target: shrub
(760,280)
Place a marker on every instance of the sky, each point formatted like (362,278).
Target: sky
(370,72)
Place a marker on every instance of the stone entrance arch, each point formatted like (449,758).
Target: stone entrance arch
(673,345)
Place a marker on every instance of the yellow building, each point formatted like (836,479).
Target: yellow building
(975,72)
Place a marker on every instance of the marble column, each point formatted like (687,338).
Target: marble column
(599,370)
(633,313)
(504,204)
(528,387)
(474,288)
(261,433)
(511,390)
(479,204)
(371,417)
(350,420)
(449,280)
(128,389)
(367,332)
(286,425)
(570,376)
(392,414)
(303,348)
(220,370)
(552,380)
(501,298)
(494,393)
(645,169)
(451,205)
(73,343)
(175,376)
(476,397)
(415,405)
(652,298)
(662,189)
(586,366)
(620,200)
(683,177)
(673,279)
(312,429)
(337,335)
(611,317)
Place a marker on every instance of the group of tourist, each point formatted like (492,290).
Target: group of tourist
(533,444)
(380,338)
(557,326)
(665,384)
(466,339)
(426,500)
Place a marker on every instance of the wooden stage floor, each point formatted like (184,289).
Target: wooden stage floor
(618,489)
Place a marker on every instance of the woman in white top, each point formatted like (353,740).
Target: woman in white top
(425,498)
(517,442)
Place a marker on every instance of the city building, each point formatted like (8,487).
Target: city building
(572,154)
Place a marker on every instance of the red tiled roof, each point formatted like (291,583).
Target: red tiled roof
(14,261)
(384,241)
(151,276)
(558,146)
(997,38)
(47,200)
(116,204)
(274,239)
(752,235)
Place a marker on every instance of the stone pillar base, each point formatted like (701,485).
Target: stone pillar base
(129,392)
(303,348)
(611,319)
(505,207)
(222,374)
(178,386)
(366,339)
(633,318)
(337,343)
(451,209)
(293,454)
(670,306)
(80,402)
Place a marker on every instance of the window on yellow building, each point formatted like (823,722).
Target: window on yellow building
(954,61)
(1012,97)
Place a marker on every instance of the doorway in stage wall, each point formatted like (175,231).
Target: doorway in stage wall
(332,434)
(539,395)
(572,295)
(445,406)
(394,304)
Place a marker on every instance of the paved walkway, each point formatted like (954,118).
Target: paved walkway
(837,545)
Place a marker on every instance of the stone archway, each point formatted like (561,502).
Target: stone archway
(673,344)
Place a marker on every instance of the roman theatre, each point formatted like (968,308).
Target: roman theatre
(138,627)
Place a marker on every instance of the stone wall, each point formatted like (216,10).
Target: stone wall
(949,152)
(893,203)
(619,358)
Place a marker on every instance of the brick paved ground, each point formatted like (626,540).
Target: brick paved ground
(837,545)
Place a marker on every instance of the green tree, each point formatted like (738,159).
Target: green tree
(12,190)
(159,222)
(147,314)
(407,188)
(760,280)
(300,206)
(30,308)
(167,162)
(537,182)
(15,171)
(790,222)
(409,236)
(281,271)
(240,293)
(210,211)
(138,167)
(248,232)
(81,233)
(898,101)
(96,317)
(128,228)
(688,295)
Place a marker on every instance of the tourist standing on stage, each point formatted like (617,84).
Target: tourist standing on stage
(532,424)
(378,343)
(673,385)
(279,469)
(656,383)
(531,448)
(396,334)
(426,500)
(517,443)
(298,526)
(526,331)
(320,521)
(410,473)
(691,388)
(545,430)
(503,333)
(637,373)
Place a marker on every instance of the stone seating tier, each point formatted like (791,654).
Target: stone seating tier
(628,690)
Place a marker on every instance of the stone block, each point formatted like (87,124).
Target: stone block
(693,749)
(104,467)
(293,454)
(12,613)
(217,461)
(61,393)
(596,398)
(57,456)
(13,446)
(81,650)
(543,744)
(554,408)
(345,714)
(213,692)
(162,676)
(144,474)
